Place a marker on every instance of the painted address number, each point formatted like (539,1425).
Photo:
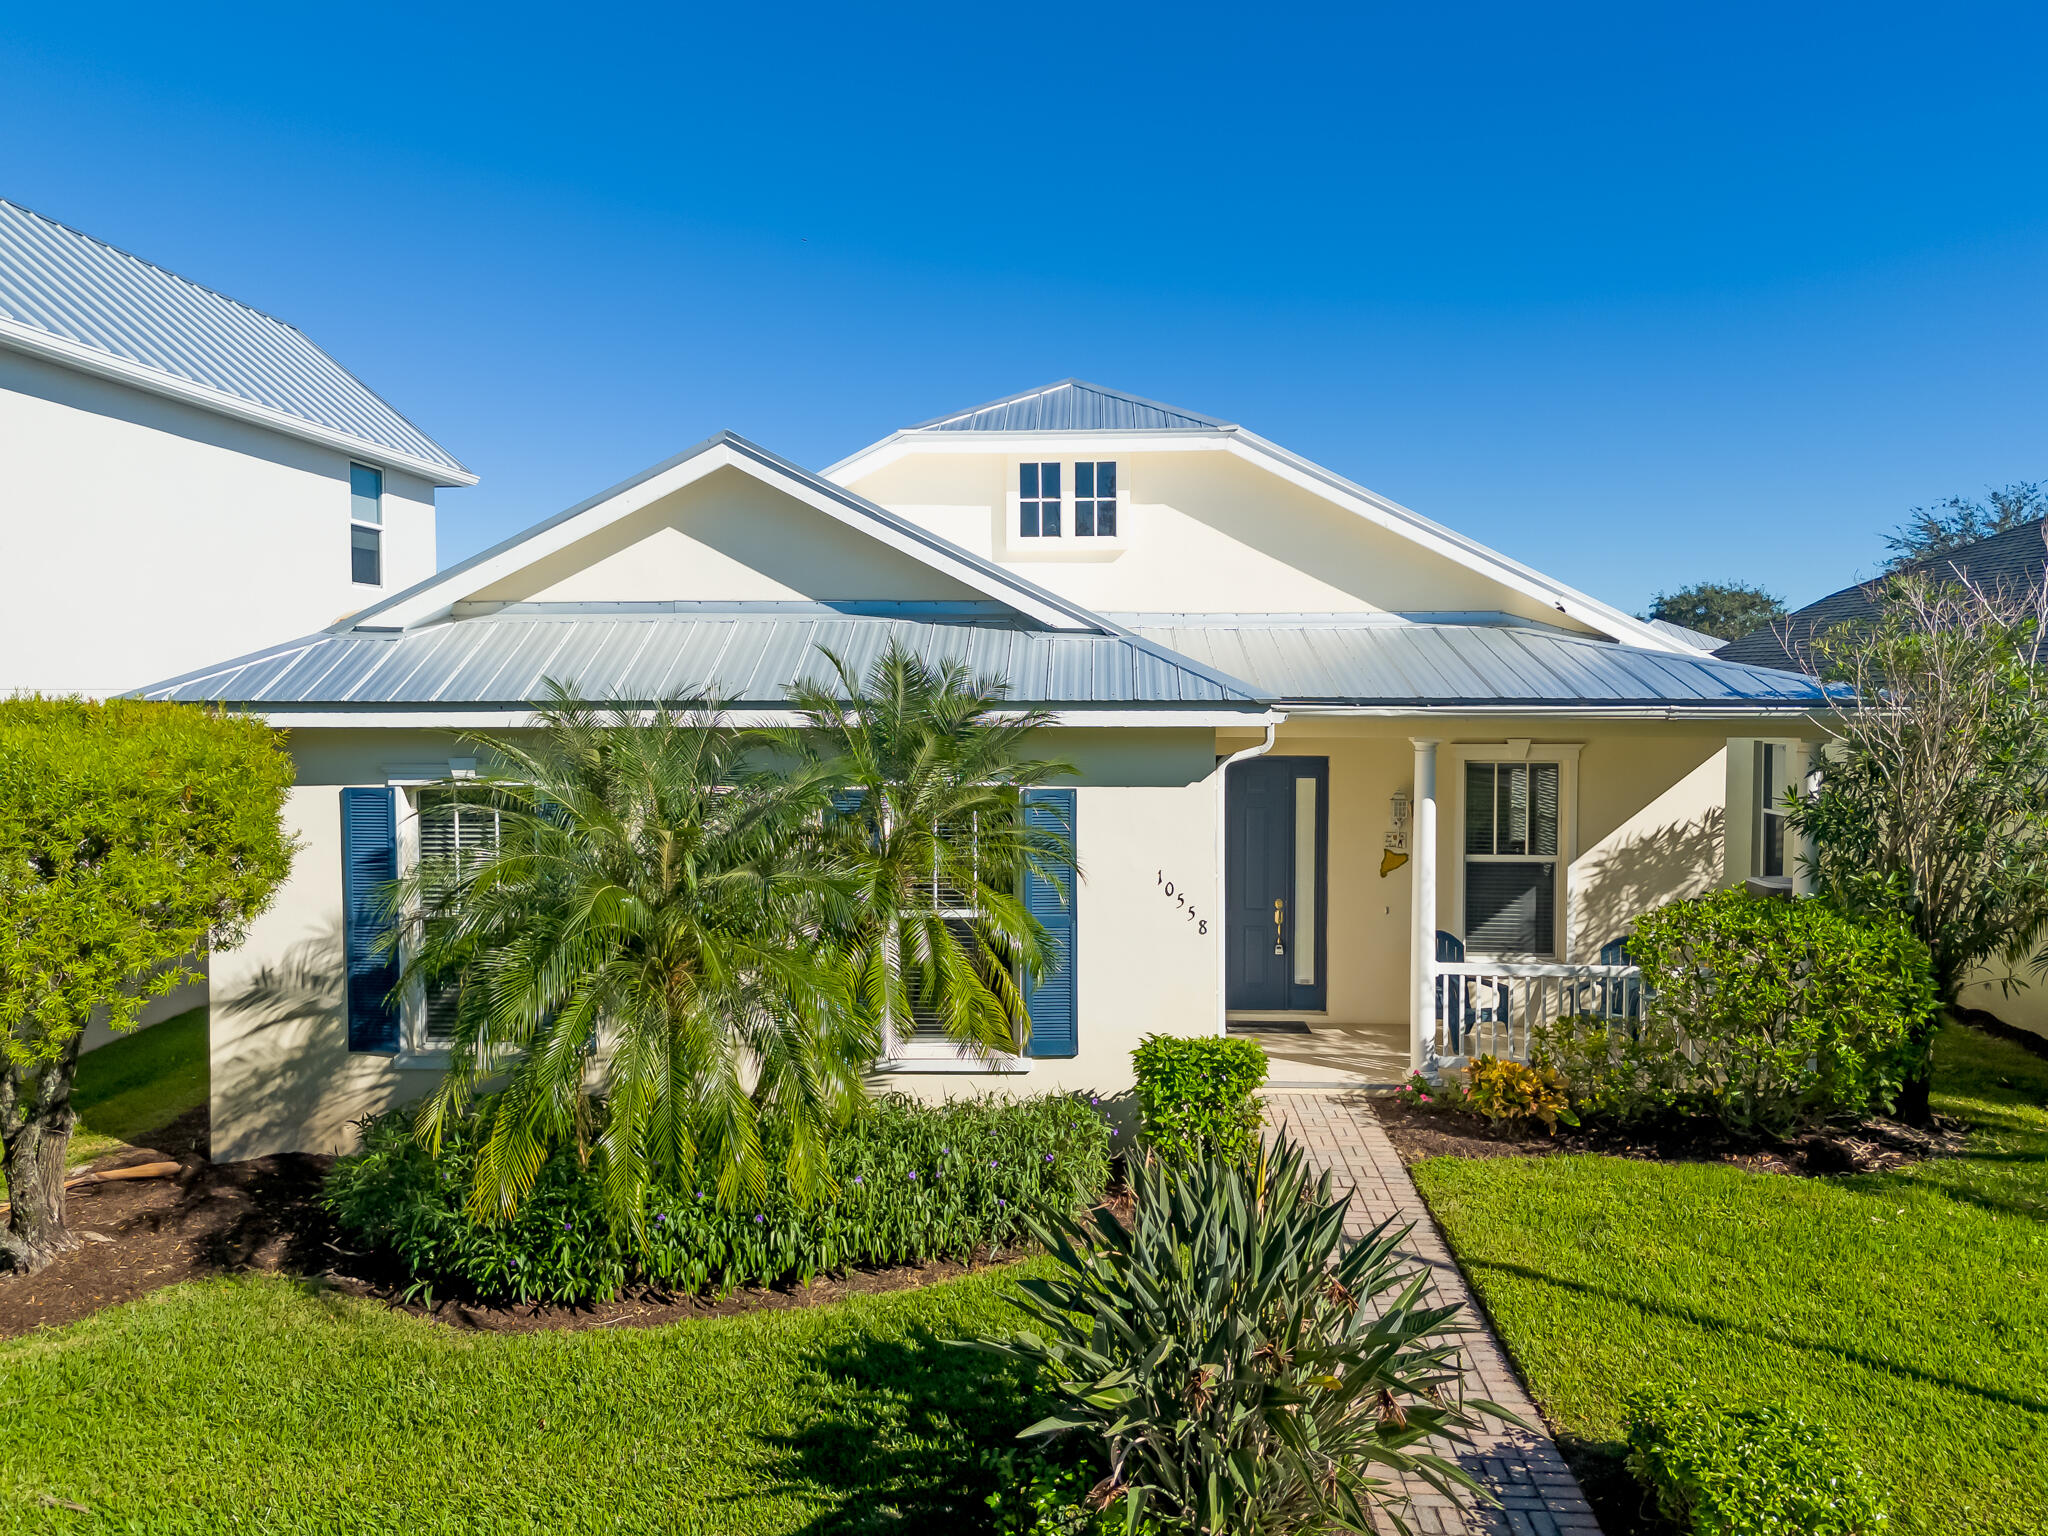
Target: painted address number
(1167,886)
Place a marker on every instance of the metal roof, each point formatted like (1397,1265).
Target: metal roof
(1698,639)
(1073,406)
(1389,661)
(746,653)
(58,283)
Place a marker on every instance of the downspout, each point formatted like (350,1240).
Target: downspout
(1222,908)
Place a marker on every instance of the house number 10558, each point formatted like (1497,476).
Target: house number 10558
(1167,886)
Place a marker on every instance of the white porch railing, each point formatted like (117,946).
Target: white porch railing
(1487,1007)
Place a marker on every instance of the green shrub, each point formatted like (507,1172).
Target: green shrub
(1615,1071)
(1755,1471)
(1508,1090)
(1045,1491)
(1766,1014)
(1238,1365)
(908,1182)
(1198,1097)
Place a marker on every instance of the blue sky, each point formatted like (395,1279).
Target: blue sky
(1641,295)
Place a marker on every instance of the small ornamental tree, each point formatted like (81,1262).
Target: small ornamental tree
(132,835)
(1934,792)
(1727,610)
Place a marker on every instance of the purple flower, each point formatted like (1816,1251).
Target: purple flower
(1048,1157)
(565,1226)
(1112,1130)
(659,1218)
(1094,1099)
(856,1178)
(760,1218)
(1002,1202)
(913,1173)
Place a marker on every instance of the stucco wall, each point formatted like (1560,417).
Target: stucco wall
(726,538)
(146,538)
(1647,829)
(285,1080)
(1203,531)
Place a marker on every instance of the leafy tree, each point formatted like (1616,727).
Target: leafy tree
(927,764)
(132,835)
(649,925)
(1728,610)
(1934,792)
(1949,525)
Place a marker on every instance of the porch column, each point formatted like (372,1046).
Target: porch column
(1801,851)
(1422,899)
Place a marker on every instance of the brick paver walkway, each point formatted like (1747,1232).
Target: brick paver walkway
(1538,1494)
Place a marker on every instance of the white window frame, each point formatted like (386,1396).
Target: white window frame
(1012,544)
(406,784)
(913,1055)
(1769,795)
(1451,835)
(355,522)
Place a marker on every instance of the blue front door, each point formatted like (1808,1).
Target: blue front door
(1276,821)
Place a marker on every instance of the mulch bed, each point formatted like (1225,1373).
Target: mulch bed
(1868,1146)
(264,1216)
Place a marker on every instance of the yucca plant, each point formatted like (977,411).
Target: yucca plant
(1244,1371)
(927,763)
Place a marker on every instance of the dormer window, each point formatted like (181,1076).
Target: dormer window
(1038,501)
(1095,499)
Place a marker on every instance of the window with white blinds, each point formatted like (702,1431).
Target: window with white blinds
(956,908)
(455,836)
(1511,838)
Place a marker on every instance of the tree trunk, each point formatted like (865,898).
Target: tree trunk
(36,1119)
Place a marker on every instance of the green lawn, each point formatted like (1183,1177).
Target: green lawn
(259,1405)
(1907,1311)
(138,1084)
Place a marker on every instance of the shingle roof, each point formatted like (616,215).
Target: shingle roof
(746,652)
(1073,406)
(2013,560)
(61,290)
(1384,660)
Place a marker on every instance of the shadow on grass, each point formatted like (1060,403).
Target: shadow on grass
(901,1448)
(1709,1323)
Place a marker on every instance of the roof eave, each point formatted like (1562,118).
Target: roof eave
(71,354)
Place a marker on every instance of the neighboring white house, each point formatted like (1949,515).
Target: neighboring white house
(1325,745)
(185,477)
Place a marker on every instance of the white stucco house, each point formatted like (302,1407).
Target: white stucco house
(186,477)
(1348,778)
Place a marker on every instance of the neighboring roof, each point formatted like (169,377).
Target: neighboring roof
(1698,639)
(748,653)
(436,596)
(1072,406)
(76,300)
(1397,662)
(2014,560)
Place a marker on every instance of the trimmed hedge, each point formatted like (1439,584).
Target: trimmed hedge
(1197,1096)
(908,1183)
(1754,1471)
(1761,1013)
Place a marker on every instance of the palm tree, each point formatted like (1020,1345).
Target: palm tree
(647,928)
(928,768)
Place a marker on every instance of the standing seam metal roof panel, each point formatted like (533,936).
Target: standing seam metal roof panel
(1072,406)
(56,280)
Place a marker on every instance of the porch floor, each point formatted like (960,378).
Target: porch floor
(1332,1056)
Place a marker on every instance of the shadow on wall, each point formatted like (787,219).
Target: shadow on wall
(284,1079)
(1629,874)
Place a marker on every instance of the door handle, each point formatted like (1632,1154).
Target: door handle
(1279,926)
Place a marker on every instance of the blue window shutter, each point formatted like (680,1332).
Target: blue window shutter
(1050,1000)
(369,862)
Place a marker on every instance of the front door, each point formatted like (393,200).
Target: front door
(1276,820)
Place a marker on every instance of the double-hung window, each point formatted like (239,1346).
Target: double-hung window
(1095,499)
(956,909)
(1511,840)
(458,831)
(1038,501)
(1770,808)
(366,525)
